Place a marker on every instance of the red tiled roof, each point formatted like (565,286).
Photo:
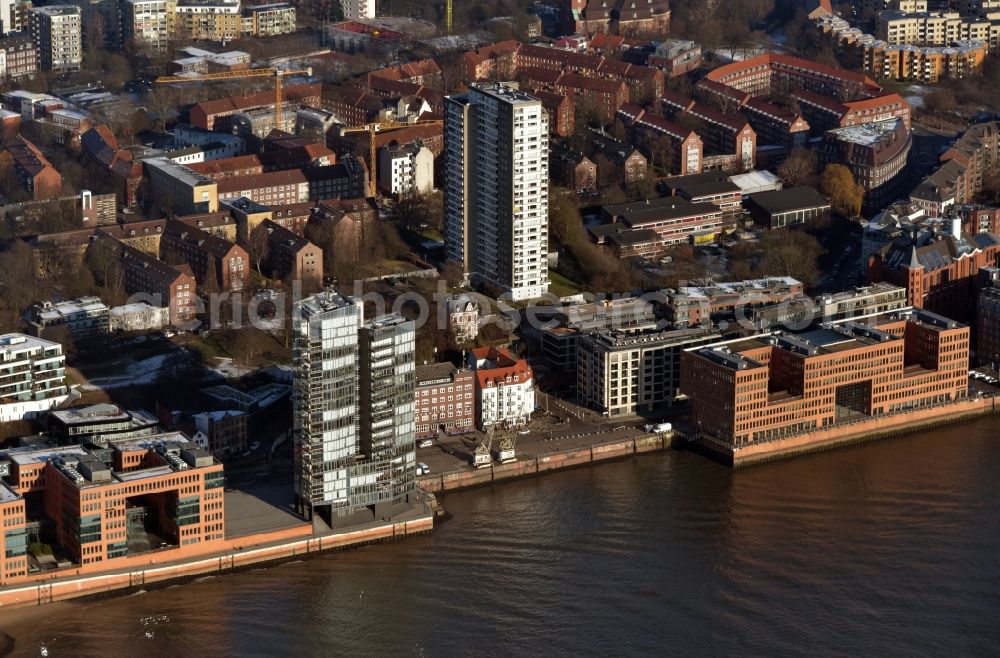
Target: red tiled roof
(255,181)
(601,85)
(877,102)
(508,365)
(768,59)
(226,165)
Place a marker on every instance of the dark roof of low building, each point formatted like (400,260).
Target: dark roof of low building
(793,198)
(434,371)
(635,236)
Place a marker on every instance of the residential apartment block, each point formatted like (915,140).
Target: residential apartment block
(32,376)
(353,401)
(167,286)
(569,324)
(928,64)
(406,170)
(877,155)
(703,303)
(445,400)
(626,373)
(386,477)
(963,166)
(224,432)
(496,188)
(291,256)
(56,32)
(83,318)
(20,56)
(988,327)
(686,151)
(176,189)
(39,178)
(217,263)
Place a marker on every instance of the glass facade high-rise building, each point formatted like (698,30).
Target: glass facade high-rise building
(353,401)
(496,141)
(388,400)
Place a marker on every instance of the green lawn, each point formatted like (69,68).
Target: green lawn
(431,234)
(560,286)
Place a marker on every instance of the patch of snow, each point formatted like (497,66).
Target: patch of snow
(145,371)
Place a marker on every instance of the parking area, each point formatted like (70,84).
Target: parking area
(984,382)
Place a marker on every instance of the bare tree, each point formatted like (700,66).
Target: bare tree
(799,168)
(258,246)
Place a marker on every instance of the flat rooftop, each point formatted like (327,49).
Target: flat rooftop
(753,179)
(714,289)
(29,456)
(57,10)
(323,302)
(245,205)
(6,494)
(178,171)
(145,473)
(434,372)
(136,307)
(20,342)
(72,307)
(866,134)
(504,92)
(95,412)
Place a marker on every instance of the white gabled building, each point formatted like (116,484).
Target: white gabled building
(505,388)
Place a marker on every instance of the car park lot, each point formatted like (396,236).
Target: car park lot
(984,382)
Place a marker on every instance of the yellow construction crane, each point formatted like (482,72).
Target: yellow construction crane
(447,15)
(239,75)
(377,127)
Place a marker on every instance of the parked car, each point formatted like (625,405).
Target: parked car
(425,443)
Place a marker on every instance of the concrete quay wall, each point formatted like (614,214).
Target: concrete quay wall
(251,551)
(530,465)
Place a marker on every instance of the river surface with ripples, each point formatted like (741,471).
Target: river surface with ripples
(891,548)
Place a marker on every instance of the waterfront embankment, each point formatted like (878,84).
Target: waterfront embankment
(528,465)
(242,552)
(862,431)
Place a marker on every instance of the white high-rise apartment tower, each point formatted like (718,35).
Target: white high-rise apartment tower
(496,188)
